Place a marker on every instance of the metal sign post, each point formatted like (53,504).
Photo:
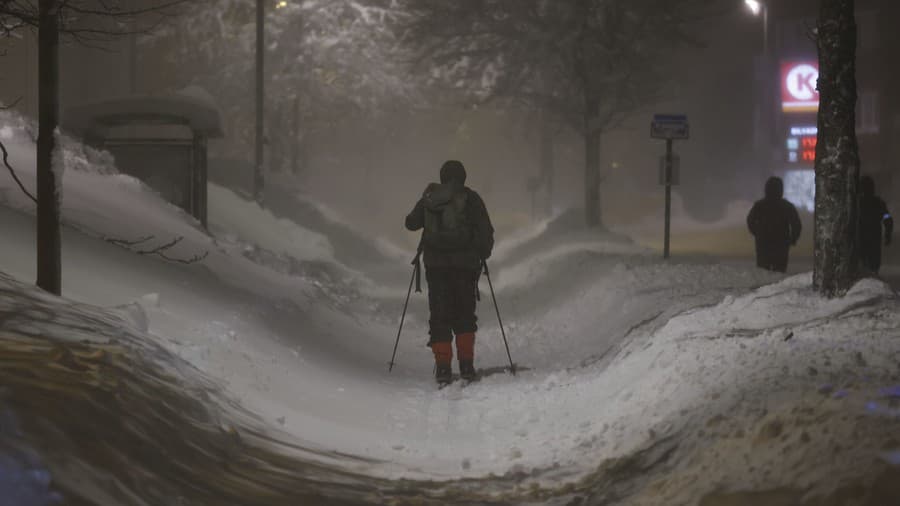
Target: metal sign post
(668,183)
(669,127)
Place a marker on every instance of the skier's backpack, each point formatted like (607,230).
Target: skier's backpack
(446,225)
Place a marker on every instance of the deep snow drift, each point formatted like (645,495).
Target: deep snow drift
(640,382)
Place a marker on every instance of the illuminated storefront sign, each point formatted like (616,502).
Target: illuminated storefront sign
(798,86)
(797,131)
(801,145)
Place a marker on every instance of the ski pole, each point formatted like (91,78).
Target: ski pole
(512,367)
(415,275)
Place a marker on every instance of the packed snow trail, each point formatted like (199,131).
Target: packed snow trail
(727,422)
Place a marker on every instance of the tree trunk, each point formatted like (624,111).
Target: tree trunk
(547,160)
(133,51)
(258,178)
(592,179)
(837,155)
(589,131)
(295,136)
(49,265)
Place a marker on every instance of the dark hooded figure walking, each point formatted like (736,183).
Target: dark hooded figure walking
(775,225)
(457,238)
(873,217)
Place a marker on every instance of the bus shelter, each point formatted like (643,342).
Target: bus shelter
(159,139)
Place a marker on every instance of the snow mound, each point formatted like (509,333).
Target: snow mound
(16,129)
(565,228)
(777,389)
(104,204)
(94,412)
(755,311)
(354,248)
(134,314)
(674,384)
(231,215)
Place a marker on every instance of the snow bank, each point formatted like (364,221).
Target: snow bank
(95,197)
(93,411)
(796,304)
(566,228)
(647,368)
(354,248)
(99,201)
(233,216)
(777,389)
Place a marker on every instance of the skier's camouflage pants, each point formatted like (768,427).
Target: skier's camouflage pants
(451,301)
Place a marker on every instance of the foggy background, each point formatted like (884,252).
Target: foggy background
(370,167)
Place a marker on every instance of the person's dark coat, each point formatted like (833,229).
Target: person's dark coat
(775,225)
(453,274)
(482,231)
(874,220)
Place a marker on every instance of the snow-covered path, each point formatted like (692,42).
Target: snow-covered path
(320,375)
(675,380)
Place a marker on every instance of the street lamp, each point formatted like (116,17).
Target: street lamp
(765,113)
(258,178)
(754,6)
(758,7)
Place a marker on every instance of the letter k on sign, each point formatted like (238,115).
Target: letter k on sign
(798,86)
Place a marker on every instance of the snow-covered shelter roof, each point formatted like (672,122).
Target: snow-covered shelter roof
(192,107)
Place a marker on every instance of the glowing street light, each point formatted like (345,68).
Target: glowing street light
(758,7)
(282,4)
(755,6)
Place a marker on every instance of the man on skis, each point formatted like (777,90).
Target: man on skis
(457,238)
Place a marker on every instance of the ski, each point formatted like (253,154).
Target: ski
(462,382)
(481,373)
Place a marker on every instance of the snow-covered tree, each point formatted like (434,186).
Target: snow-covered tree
(585,64)
(326,61)
(837,152)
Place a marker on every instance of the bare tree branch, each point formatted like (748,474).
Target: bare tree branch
(126,243)
(162,248)
(10,106)
(87,24)
(191,260)
(12,172)
(159,251)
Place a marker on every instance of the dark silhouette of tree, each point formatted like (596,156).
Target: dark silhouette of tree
(837,152)
(327,61)
(49,174)
(585,64)
(86,21)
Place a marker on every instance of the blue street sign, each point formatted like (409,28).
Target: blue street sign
(670,126)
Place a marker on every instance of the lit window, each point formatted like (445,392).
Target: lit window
(867,118)
(800,188)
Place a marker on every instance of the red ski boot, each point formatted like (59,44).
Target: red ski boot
(465,351)
(443,357)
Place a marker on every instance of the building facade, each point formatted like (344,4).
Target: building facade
(786,124)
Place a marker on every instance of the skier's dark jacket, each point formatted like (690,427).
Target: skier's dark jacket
(482,239)
(774,221)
